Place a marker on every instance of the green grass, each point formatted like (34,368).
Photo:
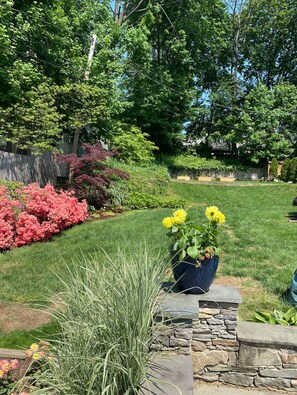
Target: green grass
(21,339)
(258,240)
(29,274)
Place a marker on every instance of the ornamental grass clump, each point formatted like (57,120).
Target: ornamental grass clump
(198,242)
(106,321)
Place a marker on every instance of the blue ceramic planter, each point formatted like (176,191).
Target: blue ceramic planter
(192,279)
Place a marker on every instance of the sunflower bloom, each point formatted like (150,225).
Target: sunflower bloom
(210,212)
(168,222)
(219,218)
(179,216)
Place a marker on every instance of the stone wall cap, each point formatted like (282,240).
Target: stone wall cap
(7,353)
(267,334)
(217,293)
(175,304)
(178,305)
(221,294)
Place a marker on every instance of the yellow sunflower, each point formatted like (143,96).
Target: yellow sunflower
(210,212)
(168,222)
(180,216)
(219,217)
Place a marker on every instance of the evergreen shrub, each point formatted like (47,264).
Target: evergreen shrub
(284,172)
(292,170)
(274,168)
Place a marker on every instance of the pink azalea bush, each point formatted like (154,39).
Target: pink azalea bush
(37,214)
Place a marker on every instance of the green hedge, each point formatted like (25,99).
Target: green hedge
(194,163)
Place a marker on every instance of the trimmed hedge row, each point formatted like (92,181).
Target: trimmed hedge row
(188,162)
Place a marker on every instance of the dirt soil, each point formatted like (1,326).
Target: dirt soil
(245,285)
(15,316)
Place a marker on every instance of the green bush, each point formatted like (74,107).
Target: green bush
(107,324)
(292,171)
(133,145)
(12,186)
(147,187)
(196,164)
(138,200)
(274,168)
(284,172)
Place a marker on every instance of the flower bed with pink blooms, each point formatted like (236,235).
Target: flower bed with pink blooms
(37,214)
(7,374)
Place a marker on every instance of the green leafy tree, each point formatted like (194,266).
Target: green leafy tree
(81,105)
(133,145)
(268,45)
(49,41)
(265,128)
(32,123)
(175,58)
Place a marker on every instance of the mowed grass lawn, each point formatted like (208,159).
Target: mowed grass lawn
(259,243)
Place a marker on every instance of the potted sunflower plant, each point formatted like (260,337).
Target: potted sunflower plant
(195,249)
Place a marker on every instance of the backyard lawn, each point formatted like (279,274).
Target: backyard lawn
(258,241)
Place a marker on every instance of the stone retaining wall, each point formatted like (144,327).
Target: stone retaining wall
(250,174)
(223,350)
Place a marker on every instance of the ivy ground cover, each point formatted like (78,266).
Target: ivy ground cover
(258,240)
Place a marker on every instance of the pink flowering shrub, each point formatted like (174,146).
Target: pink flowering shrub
(37,214)
(7,374)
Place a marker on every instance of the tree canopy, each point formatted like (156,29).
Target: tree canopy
(219,72)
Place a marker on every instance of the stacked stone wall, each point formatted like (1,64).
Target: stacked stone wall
(214,341)
(223,350)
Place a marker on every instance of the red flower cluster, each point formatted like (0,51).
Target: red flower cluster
(37,214)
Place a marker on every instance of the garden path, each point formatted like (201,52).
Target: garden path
(214,389)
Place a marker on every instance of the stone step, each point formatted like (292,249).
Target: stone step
(169,374)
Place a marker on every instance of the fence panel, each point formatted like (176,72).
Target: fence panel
(28,168)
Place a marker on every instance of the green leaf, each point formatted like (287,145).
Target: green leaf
(290,313)
(195,241)
(182,243)
(175,246)
(182,255)
(174,229)
(193,252)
